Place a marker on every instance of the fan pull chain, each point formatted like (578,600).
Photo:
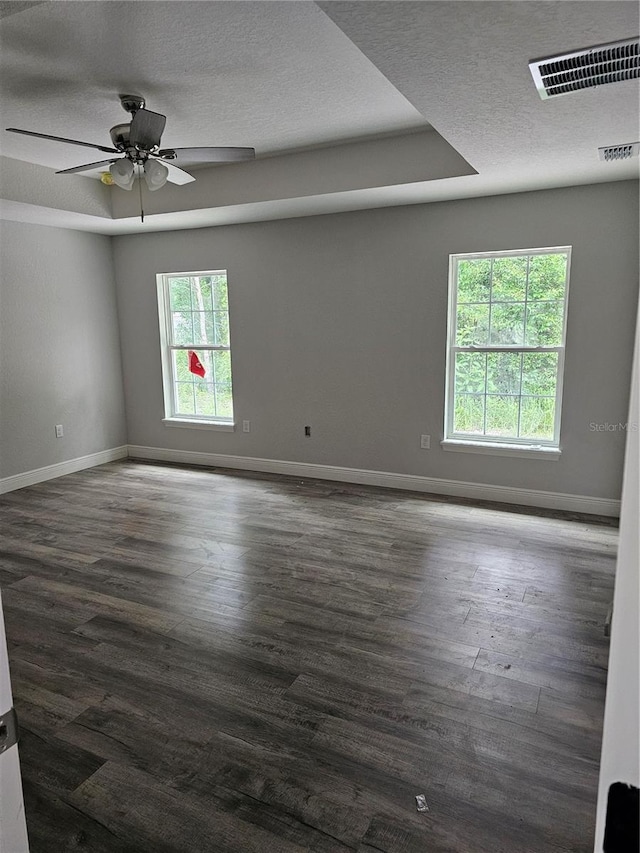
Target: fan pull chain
(140,192)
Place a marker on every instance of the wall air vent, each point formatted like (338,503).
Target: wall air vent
(619,152)
(585,69)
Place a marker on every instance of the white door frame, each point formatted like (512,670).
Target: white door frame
(13,827)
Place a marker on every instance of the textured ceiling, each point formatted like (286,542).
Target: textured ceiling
(464,65)
(271,75)
(286,76)
(10,7)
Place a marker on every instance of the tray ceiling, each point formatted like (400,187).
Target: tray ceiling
(297,76)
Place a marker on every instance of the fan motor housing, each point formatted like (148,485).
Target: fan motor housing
(119,134)
(121,138)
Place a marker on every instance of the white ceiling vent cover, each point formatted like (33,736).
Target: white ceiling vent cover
(584,69)
(619,152)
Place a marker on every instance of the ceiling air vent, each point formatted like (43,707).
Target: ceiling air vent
(584,69)
(619,152)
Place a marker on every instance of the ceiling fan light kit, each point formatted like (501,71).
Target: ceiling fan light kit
(137,147)
(122,172)
(155,174)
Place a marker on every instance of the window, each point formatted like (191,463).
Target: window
(196,353)
(507,319)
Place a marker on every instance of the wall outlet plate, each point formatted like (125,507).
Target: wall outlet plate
(59,431)
(425,442)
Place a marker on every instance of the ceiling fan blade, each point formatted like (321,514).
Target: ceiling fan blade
(200,156)
(85,168)
(146,129)
(176,175)
(63,139)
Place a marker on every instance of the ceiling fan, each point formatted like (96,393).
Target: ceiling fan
(137,150)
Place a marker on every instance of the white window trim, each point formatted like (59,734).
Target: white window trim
(494,448)
(171,419)
(463,442)
(185,423)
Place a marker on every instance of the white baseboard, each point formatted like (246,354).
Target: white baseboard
(385,479)
(49,472)
(412,482)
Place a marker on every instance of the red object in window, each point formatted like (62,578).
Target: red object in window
(195,365)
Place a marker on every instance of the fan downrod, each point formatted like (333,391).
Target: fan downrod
(120,133)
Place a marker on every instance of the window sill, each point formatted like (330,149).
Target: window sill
(492,448)
(222,426)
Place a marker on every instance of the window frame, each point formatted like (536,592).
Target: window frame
(501,445)
(167,347)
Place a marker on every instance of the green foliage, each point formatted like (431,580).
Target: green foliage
(198,293)
(185,401)
(505,394)
(204,397)
(199,306)
(471,370)
(474,280)
(207,396)
(220,293)
(180,294)
(199,315)
(509,279)
(472,325)
(202,328)
(507,324)
(503,372)
(221,328)
(539,373)
(537,418)
(182,324)
(222,367)
(469,414)
(201,293)
(502,416)
(181,366)
(224,401)
(511,283)
(547,276)
(544,323)
(500,372)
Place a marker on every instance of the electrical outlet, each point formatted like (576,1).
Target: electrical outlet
(246,426)
(59,431)
(425,442)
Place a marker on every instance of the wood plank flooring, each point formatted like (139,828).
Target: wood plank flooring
(217,662)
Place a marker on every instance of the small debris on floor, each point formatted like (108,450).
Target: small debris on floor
(421,803)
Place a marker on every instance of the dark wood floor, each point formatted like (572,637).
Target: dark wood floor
(213,662)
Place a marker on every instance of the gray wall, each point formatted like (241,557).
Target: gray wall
(340,322)
(59,347)
(620,741)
